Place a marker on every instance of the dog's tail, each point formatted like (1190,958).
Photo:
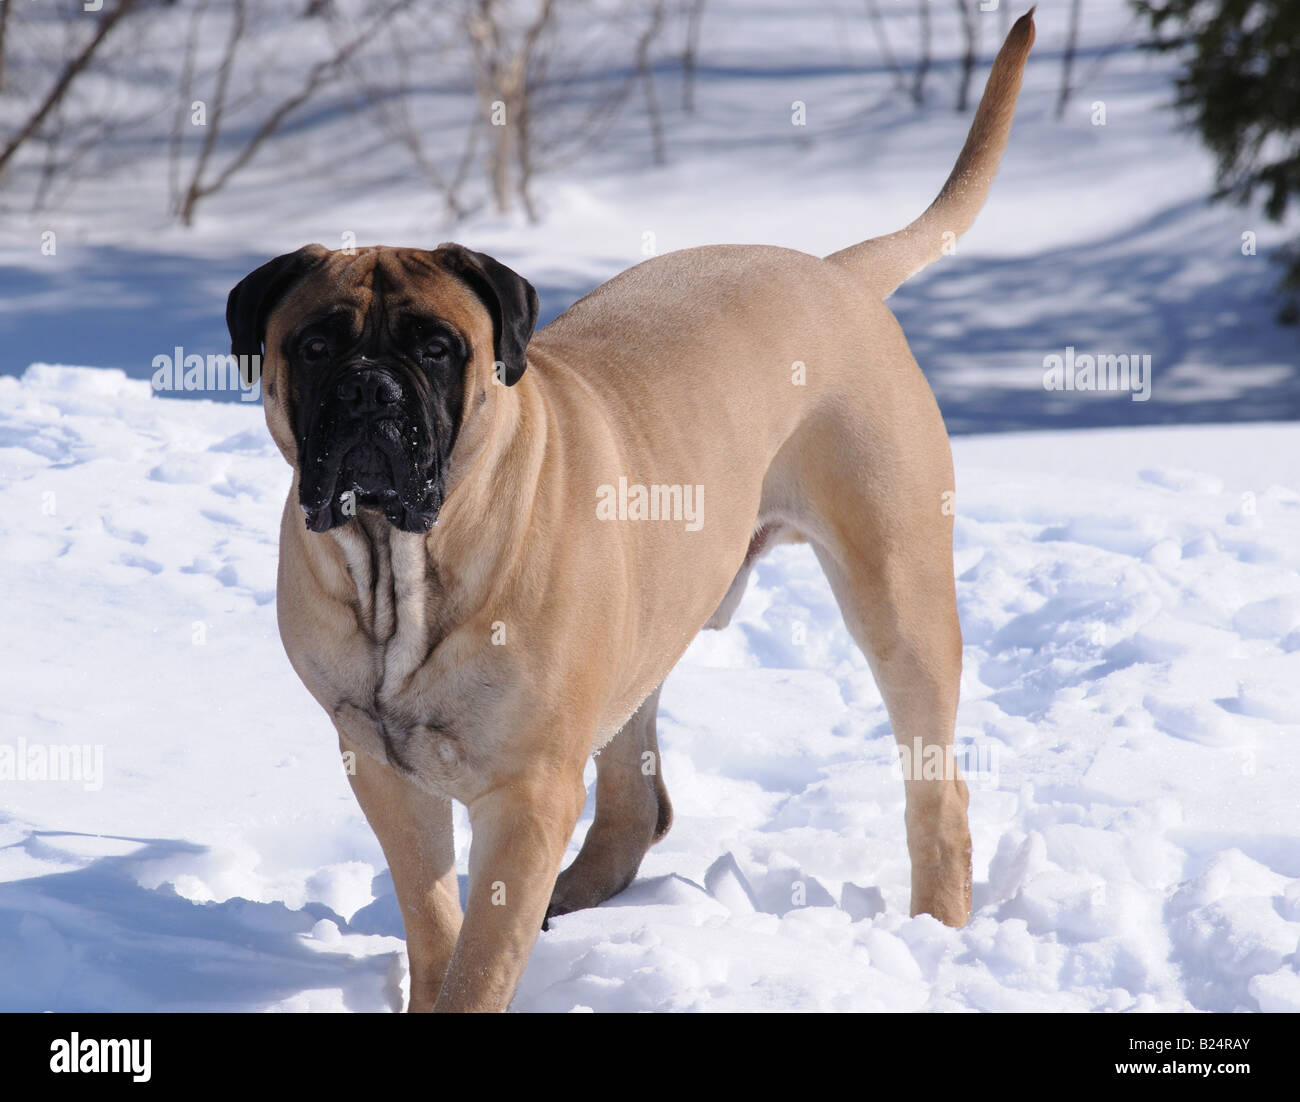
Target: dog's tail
(885,262)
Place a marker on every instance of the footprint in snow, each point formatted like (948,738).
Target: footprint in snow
(1181,480)
(142,563)
(197,468)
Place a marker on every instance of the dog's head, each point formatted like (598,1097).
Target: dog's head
(370,360)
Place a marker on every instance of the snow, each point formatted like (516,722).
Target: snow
(1131,608)
(1130,596)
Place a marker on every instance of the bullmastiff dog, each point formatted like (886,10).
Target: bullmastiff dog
(497,542)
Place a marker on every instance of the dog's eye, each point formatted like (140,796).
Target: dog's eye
(315,349)
(438,350)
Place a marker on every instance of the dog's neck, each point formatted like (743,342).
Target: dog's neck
(409,590)
(478,541)
(394,590)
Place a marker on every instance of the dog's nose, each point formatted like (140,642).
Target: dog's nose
(370,389)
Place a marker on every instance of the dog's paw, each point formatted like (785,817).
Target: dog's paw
(556,908)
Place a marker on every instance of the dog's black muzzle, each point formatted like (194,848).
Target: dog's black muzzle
(369,445)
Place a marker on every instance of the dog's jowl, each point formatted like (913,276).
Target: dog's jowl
(495,546)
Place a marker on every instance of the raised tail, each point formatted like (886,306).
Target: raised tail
(885,262)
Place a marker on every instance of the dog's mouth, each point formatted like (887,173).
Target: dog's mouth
(372,463)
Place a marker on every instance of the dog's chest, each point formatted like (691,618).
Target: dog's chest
(395,589)
(435,757)
(395,707)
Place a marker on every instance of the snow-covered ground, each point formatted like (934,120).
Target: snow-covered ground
(1130,597)
(1131,608)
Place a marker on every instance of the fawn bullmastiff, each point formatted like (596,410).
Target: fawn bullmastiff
(497,542)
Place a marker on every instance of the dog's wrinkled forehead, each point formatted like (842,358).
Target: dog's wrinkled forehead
(375,290)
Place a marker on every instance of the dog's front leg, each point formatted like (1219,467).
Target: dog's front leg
(521,829)
(414,828)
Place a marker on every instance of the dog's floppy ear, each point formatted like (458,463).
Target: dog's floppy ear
(256,295)
(509,298)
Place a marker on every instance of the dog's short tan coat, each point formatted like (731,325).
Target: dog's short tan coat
(524,632)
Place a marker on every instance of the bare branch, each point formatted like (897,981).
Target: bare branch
(923,62)
(690,53)
(1067,58)
(320,74)
(646,72)
(970,33)
(69,74)
(886,50)
(6,7)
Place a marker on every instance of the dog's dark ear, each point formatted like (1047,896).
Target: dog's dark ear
(509,298)
(256,295)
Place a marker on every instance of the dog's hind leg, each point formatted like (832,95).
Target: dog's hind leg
(632,813)
(878,480)
(903,615)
